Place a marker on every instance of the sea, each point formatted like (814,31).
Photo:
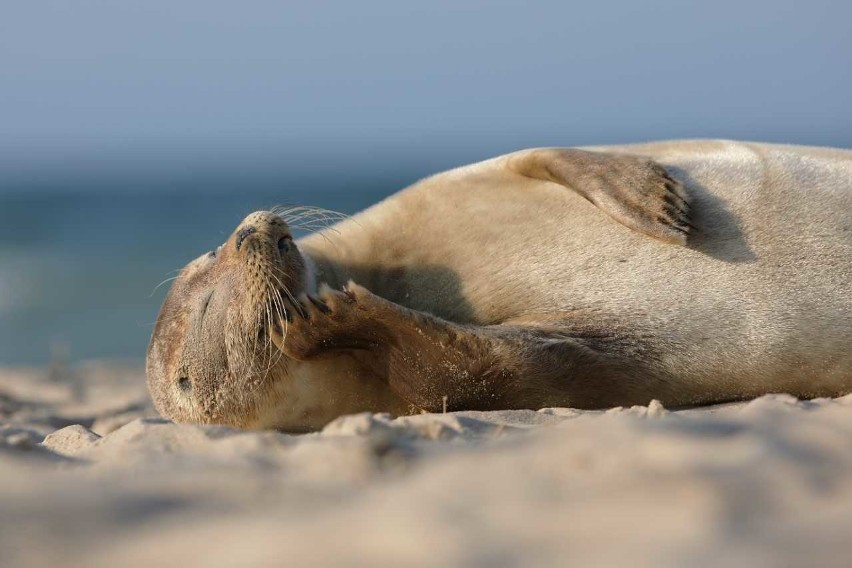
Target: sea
(79,269)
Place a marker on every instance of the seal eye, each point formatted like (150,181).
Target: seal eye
(184,384)
(284,244)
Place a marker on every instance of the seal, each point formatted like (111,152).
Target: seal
(506,284)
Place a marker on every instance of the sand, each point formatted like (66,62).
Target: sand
(89,477)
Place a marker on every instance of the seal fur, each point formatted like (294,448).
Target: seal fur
(491,286)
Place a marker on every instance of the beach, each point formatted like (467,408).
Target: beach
(90,476)
(137,136)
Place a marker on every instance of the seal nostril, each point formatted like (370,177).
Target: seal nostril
(184,384)
(243,233)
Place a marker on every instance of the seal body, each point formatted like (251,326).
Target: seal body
(491,286)
(759,301)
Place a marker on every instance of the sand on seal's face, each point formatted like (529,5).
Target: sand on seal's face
(763,483)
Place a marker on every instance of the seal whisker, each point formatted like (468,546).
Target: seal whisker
(309,217)
(267,325)
(313,220)
(267,316)
(286,291)
(157,287)
(276,313)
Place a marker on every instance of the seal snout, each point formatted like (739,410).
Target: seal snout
(243,233)
(263,227)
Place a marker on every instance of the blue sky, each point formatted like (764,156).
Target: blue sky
(96,87)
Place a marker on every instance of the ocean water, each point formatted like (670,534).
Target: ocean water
(78,270)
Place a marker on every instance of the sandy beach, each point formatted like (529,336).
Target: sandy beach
(89,476)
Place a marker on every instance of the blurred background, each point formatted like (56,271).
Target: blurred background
(135,135)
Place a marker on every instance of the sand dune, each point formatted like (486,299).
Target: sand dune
(90,477)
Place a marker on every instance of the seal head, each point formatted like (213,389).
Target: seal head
(211,358)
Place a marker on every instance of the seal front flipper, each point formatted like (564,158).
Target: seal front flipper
(635,191)
(431,362)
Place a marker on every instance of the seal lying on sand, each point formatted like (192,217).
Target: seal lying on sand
(498,285)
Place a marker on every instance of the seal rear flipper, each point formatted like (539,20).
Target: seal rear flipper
(635,191)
